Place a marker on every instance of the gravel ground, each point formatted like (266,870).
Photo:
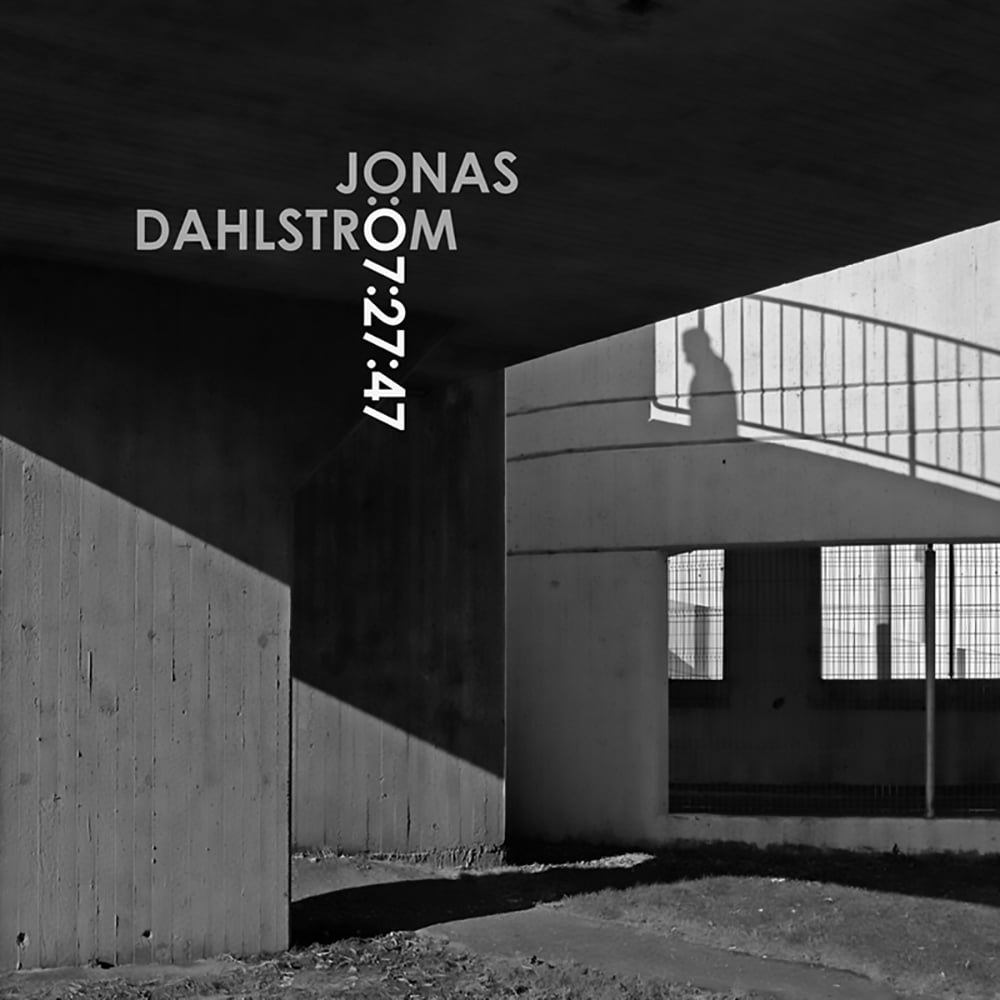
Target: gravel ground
(401,966)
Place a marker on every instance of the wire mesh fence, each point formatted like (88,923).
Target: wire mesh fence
(820,660)
(696,615)
(875,605)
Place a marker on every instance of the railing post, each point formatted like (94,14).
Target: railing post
(951,611)
(930,652)
(664,776)
(911,404)
(883,605)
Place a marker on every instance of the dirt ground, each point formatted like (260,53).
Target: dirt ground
(921,926)
(343,897)
(398,966)
(354,920)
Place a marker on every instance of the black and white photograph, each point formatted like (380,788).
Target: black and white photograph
(500,500)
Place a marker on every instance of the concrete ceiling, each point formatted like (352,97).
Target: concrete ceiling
(670,154)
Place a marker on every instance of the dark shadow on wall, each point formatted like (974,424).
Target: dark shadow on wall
(420,902)
(236,417)
(400,570)
(201,405)
(713,400)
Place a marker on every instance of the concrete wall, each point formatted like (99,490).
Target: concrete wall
(606,473)
(155,434)
(144,627)
(399,637)
(586,695)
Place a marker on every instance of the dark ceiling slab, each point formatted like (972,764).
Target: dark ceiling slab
(669,154)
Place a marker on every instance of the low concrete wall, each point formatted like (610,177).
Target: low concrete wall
(909,836)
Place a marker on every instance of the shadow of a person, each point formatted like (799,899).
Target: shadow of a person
(713,400)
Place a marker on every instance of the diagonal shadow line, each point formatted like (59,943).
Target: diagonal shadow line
(414,903)
(874,321)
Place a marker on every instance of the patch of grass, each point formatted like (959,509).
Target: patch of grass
(940,948)
(398,966)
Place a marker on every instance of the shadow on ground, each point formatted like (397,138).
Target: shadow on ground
(409,903)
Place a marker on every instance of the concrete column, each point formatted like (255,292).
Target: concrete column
(398,643)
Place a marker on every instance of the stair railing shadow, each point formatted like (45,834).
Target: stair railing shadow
(920,401)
